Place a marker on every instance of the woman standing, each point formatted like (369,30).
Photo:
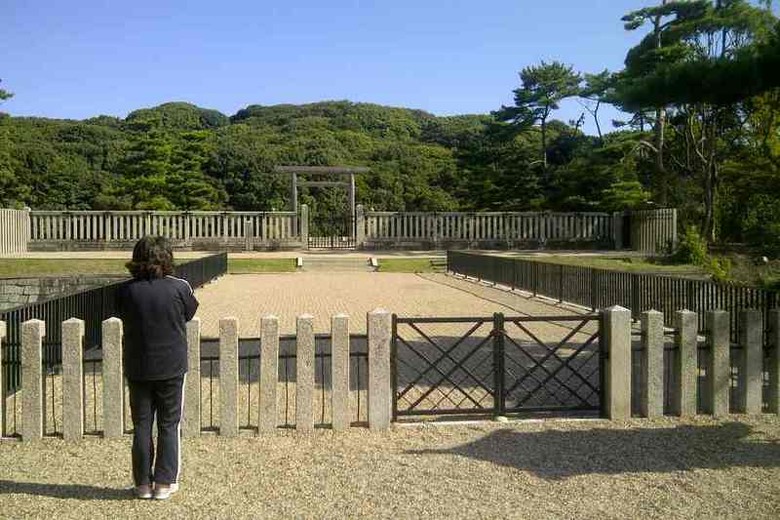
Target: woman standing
(154,308)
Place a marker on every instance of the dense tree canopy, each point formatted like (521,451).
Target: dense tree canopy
(702,88)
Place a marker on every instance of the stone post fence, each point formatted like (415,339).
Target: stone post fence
(115,419)
(638,380)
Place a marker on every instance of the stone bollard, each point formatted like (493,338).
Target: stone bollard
(304,374)
(685,363)
(72,379)
(3,331)
(750,338)
(617,347)
(269,373)
(228,377)
(191,419)
(33,332)
(339,327)
(774,360)
(113,380)
(719,368)
(652,391)
(380,402)
(305,226)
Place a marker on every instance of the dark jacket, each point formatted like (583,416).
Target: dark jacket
(154,315)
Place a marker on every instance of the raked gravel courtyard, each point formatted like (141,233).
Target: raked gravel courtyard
(287,295)
(665,468)
(669,468)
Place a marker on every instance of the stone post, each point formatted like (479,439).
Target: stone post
(750,338)
(33,332)
(774,360)
(269,373)
(228,377)
(113,380)
(191,419)
(617,347)
(652,391)
(305,226)
(3,332)
(304,373)
(360,226)
(72,379)
(685,363)
(249,235)
(339,333)
(380,402)
(617,230)
(719,368)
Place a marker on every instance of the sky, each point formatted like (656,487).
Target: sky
(85,58)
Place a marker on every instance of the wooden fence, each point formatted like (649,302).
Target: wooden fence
(488,229)
(196,229)
(14,231)
(648,231)
(654,231)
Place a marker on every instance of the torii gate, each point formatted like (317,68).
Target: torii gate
(328,171)
(294,171)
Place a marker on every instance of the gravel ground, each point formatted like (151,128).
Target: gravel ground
(669,468)
(322,294)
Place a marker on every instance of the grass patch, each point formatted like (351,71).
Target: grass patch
(28,267)
(627,264)
(406,265)
(260,265)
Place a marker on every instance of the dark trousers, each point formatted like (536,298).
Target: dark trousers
(164,400)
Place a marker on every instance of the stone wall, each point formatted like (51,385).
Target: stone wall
(21,291)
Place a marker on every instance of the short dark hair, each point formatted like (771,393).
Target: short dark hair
(152,258)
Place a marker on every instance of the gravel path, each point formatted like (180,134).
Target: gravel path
(667,468)
(287,295)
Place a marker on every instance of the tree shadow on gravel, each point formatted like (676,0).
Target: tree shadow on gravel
(557,455)
(79,491)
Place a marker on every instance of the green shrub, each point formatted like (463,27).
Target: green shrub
(692,249)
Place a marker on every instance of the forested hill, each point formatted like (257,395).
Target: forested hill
(180,156)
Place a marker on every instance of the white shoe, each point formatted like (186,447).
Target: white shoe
(144,491)
(164,491)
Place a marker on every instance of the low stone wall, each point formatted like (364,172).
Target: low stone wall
(15,292)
